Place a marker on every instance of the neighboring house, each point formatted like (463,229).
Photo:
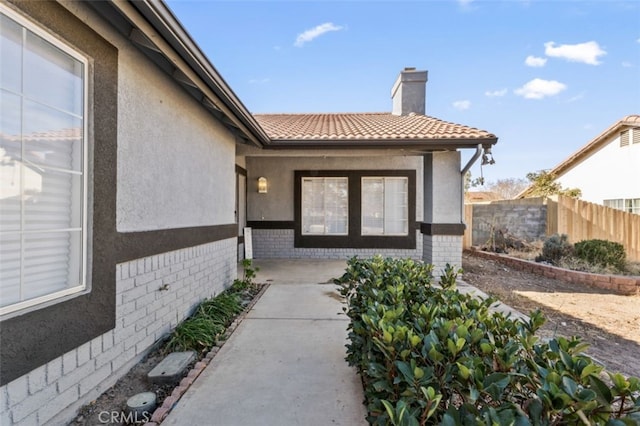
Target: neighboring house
(606,169)
(480,197)
(129,170)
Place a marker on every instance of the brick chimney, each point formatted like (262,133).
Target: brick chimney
(409,92)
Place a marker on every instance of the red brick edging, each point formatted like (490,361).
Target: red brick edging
(169,402)
(625,285)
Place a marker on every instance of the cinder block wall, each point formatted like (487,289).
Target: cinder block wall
(279,244)
(528,222)
(145,313)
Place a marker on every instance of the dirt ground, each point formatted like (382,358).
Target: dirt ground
(609,323)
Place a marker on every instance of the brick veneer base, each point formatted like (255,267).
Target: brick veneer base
(626,285)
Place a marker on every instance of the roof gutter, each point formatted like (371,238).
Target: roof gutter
(463,172)
(415,144)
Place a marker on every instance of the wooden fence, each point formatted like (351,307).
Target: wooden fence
(579,220)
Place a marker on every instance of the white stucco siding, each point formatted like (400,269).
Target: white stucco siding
(610,173)
(277,204)
(175,161)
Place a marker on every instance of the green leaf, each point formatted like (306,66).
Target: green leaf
(418,373)
(405,369)
(590,369)
(463,371)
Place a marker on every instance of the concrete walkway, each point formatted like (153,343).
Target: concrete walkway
(284,364)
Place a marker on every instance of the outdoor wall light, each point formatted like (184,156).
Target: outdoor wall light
(262,185)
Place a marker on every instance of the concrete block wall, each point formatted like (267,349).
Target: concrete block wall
(279,244)
(153,295)
(528,222)
(442,249)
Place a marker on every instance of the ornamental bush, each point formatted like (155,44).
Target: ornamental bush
(601,253)
(429,354)
(555,248)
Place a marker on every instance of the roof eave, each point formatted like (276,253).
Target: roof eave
(161,19)
(414,144)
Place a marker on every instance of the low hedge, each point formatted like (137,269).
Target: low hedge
(429,354)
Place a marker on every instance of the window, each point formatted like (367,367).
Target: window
(385,208)
(630,205)
(325,206)
(355,209)
(43,162)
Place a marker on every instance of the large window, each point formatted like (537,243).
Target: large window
(325,208)
(631,205)
(355,209)
(385,206)
(43,162)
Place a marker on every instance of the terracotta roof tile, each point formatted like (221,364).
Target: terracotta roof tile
(363,126)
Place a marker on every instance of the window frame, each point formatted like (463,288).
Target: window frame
(355,238)
(82,286)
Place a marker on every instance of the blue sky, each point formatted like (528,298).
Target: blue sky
(545,76)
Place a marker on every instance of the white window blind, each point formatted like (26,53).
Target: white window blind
(385,206)
(42,165)
(325,206)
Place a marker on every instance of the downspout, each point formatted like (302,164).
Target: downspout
(464,171)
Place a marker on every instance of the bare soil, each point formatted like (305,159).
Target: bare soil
(610,323)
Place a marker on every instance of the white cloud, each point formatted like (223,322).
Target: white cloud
(317,31)
(539,89)
(462,105)
(496,93)
(638,40)
(259,80)
(587,53)
(534,61)
(626,64)
(466,5)
(576,98)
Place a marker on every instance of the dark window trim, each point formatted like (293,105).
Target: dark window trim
(271,224)
(442,228)
(354,239)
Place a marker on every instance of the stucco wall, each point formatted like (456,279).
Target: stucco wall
(277,204)
(609,173)
(443,187)
(175,162)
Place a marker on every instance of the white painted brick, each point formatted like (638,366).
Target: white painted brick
(57,404)
(4,399)
(107,340)
(133,317)
(109,355)
(96,347)
(69,362)
(30,420)
(84,353)
(17,390)
(88,383)
(146,300)
(144,322)
(143,279)
(54,370)
(37,379)
(133,269)
(125,285)
(144,344)
(133,294)
(75,376)
(33,403)
(5,418)
(122,358)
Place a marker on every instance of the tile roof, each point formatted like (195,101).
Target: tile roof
(363,127)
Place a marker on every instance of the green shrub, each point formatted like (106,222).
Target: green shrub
(198,333)
(555,248)
(432,355)
(601,253)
